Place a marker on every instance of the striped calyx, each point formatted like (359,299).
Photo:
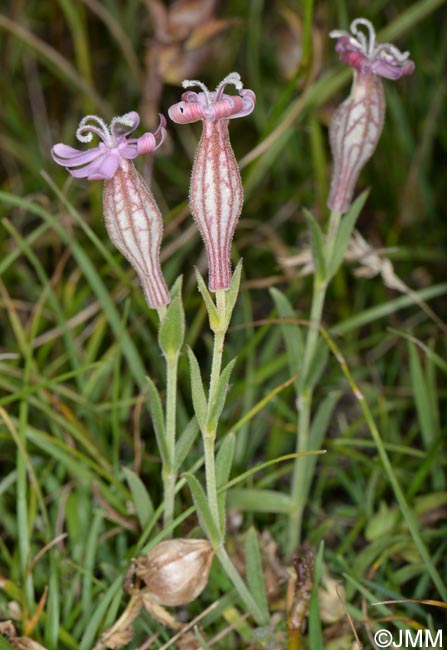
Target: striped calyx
(354,133)
(216,198)
(216,194)
(135,226)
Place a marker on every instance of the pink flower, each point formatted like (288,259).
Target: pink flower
(357,124)
(216,193)
(131,215)
(102,162)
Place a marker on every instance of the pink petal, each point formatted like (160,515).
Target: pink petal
(106,168)
(248,105)
(184,113)
(103,168)
(392,69)
(130,149)
(66,156)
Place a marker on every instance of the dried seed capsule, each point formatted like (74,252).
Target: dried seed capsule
(176,571)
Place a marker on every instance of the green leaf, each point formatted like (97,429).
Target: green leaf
(4,644)
(185,442)
(435,358)
(172,329)
(198,392)
(232,293)
(315,632)
(98,613)
(385,309)
(316,367)
(200,639)
(318,429)
(140,495)
(209,303)
(219,398)
(423,399)
(206,520)
(224,461)
(176,289)
(345,229)
(254,500)
(317,246)
(255,574)
(290,331)
(156,410)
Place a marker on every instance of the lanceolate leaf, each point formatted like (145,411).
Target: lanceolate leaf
(254,500)
(140,495)
(317,246)
(291,331)
(232,293)
(219,399)
(172,329)
(345,229)
(209,303)
(198,392)
(185,442)
(255,574)
(203,510)
(224,461)
(158,420)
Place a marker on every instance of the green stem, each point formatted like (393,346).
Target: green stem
(209,440)
(169,473)
(334,223)
(240,585)
(209,437)
(219,339)
(300,479)
(304,404)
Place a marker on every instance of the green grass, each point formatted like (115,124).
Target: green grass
(81,490)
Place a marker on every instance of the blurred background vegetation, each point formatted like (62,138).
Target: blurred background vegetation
(77,338)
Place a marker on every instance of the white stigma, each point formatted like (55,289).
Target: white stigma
(84,132)
(232,78)
(190,83)
(367,46)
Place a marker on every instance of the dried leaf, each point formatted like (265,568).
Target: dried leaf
(8,631)
(159,613)
(207,31)
(185,15)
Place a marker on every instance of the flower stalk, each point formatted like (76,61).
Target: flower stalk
(300,484)
(209,435)
(354,132)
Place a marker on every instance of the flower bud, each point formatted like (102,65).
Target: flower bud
(176,571)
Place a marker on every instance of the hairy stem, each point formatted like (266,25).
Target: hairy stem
(169,473)
(209,437)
